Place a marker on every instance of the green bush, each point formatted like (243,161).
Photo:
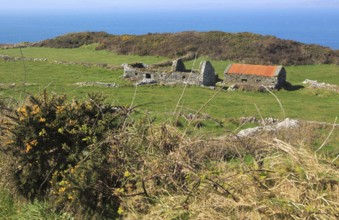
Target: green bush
(58,152)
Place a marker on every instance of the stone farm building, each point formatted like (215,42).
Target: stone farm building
(270,76)
(144,74)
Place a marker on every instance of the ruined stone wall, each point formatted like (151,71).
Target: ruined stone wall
(132,73)
(178,66)
(250,79)
(205,76)
(173,77)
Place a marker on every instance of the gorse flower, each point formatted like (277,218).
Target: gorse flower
(42,132)
(42,120)
(30,145)
(127,174)
(9,142)
(60,109)
(23,111)
(120,210)
(72,122)
(36,110)
(34,142)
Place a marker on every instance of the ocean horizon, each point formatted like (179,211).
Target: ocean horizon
(309,26)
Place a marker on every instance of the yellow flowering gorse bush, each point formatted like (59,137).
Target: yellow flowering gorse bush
(58,151)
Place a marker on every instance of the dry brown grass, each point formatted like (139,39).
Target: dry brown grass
(264,177)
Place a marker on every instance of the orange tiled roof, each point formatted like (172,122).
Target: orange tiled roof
(259,70)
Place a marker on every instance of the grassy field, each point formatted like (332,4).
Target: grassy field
(87,54)
(160,101)
(83,54)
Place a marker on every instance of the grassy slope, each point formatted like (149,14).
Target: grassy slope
(83,54)
(160,101)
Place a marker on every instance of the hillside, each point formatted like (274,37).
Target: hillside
(160,151)
(241,47)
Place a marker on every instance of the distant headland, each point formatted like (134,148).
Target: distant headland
(242,47)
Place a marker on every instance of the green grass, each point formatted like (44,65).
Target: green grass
(11,208)
(322,73)
(7,207)
(84,54)
(160,101)
(88,54)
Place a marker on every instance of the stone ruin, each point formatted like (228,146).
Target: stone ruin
(178,74)
(242,75)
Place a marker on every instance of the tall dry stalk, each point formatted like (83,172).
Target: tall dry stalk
(258,110)
(184,90)
(281,106)
(200,109)
(329,135)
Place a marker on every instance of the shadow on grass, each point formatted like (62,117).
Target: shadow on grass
(289,87)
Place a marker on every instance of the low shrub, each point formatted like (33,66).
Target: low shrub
(57,151)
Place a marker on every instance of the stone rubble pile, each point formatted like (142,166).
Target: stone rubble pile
(112,85)
(285,124)
(9,58)
(315,84)
(264,121)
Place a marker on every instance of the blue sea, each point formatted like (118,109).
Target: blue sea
(307,26)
